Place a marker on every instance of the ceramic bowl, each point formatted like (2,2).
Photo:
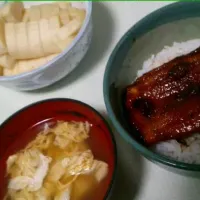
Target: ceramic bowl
(58,67)
(16,132)
(174,23)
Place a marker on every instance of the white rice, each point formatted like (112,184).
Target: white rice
(189,152)
(169,53)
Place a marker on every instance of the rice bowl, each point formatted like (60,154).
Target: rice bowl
(127,62)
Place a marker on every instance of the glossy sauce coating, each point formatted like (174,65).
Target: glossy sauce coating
(164,103)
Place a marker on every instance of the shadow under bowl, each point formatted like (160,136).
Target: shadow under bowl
(18,130)
(176,22)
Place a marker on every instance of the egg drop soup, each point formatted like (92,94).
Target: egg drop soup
(62,163)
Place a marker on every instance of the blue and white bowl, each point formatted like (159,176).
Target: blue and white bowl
(58,67)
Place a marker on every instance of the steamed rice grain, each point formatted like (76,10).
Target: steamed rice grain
(168,54)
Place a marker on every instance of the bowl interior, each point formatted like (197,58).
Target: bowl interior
(177,22)
(22,127)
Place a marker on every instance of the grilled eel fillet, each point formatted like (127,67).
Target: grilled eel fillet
(164,103)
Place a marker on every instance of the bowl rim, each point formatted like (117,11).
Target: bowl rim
(60,55)
(115,154)
(150,155)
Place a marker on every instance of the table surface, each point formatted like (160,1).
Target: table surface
(137,178)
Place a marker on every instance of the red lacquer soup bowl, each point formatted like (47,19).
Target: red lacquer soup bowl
(18,130)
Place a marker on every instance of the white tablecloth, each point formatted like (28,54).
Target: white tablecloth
(137,178)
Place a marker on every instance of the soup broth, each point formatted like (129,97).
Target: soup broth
(62,162)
